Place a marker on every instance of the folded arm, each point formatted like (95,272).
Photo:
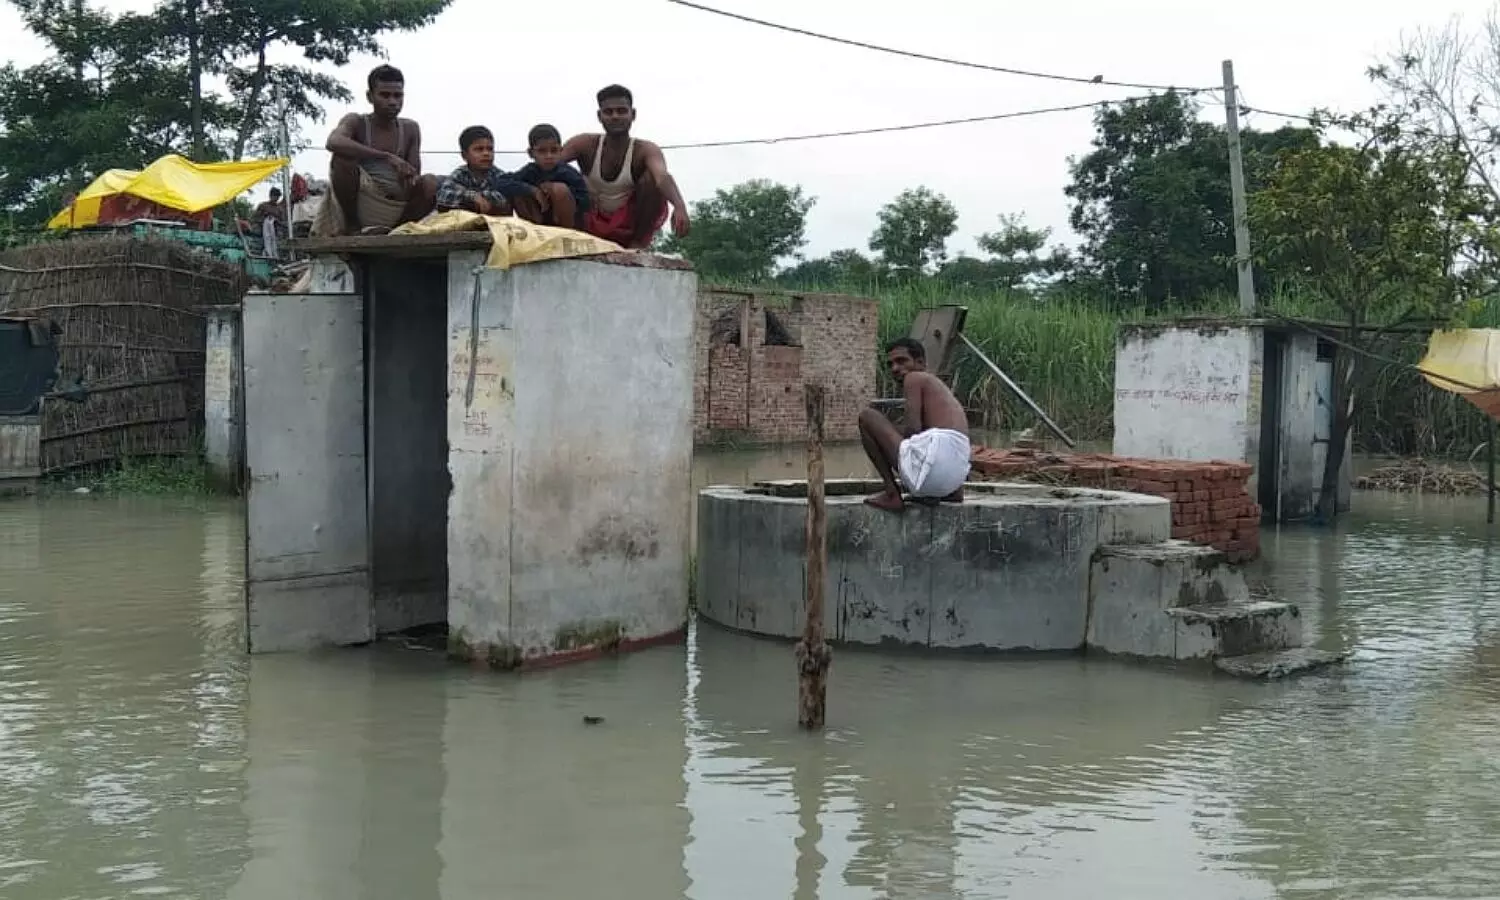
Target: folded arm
(344,140)
(453,193)
(578,186)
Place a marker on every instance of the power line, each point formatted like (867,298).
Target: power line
(887,129)
(1097,79)
(1301,117)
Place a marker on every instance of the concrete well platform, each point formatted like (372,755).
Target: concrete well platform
(1017,567)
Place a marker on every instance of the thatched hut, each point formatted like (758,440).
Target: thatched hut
(132,318)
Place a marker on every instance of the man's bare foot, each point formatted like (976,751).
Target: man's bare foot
(955,497)
(886,500)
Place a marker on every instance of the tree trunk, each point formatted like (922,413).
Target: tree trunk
(1341,405)
(195,79)
(78,10)
(251,117)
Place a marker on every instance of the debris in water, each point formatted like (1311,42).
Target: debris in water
(1424,477)
(593,720)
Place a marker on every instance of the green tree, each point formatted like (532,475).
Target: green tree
(846,268)
(1389,231)
(110,95)
(1017,254)
(1151,200)
(121,90)
(1444,83)
(235,39)
(745,231)
(913,231)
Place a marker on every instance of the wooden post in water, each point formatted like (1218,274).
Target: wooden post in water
(813,655)
(1490,482)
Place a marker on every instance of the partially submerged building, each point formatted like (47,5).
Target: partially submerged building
(434,442)
(1255,391)
(757,350)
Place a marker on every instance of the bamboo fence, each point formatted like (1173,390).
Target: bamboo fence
(132,316)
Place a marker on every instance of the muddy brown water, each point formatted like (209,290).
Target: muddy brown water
(141,754)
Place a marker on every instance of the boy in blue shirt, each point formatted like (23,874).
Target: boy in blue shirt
(562,191)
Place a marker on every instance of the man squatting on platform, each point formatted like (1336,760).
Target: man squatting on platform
(627,177)
(929,455)
(375,177)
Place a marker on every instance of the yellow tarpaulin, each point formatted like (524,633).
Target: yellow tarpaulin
(1464,361)
(171,181)
(516,241)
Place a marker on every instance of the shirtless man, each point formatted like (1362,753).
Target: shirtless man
(627,177)
(930,454)
(375,179)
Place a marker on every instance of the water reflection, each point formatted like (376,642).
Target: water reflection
(141,753)
(121,701)
(1381,781)
(936,777)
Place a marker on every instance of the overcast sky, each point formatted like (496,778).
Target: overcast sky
(700,77)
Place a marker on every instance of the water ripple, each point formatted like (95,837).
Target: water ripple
(141,753)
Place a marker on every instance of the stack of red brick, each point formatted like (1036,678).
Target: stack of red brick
(1210,501)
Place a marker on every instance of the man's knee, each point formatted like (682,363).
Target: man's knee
(648,192)
(342,169)
(871,419)
(556,192)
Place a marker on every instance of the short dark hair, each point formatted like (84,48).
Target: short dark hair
(384,74)
(541,133)
(615,91)
(275,192)
(910,345)
(468,136)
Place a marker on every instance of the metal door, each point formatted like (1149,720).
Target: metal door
(1322,415)
(307,568)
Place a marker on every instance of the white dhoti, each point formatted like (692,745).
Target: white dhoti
(935,462)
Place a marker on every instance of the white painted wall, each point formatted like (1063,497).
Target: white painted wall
(1189,392)
(223,417)
(571,455)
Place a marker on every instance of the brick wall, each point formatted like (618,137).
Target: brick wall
(752,391)
(1210,502)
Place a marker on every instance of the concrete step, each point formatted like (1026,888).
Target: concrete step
(1179,573)
(1215,630)
(1131,587)
(1278,664)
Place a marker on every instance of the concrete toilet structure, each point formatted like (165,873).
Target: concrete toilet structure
(432,442)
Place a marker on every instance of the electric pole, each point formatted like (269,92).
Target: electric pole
(1237,194)
(284,139)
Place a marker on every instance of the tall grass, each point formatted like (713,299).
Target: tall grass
(1061,349)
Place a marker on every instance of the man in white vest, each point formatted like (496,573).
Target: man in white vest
(628,180)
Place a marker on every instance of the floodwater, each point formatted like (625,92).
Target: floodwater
(141,754)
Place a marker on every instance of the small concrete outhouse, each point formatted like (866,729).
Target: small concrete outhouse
(507,453)
(1247,390)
